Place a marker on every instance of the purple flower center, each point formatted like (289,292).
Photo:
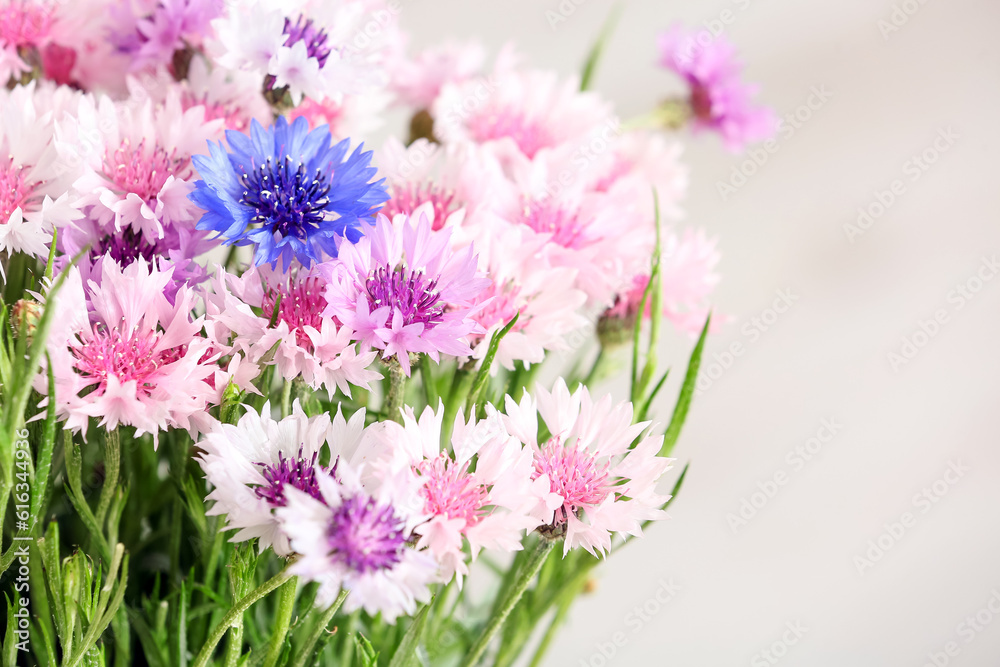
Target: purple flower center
(125,247)
(365,536)
(304,30)
(299,472)
(411,293)
(286,199)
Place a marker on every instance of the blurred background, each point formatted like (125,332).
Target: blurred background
(843,501)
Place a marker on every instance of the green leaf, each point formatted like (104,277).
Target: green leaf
(366,653)
(483,376)
(44,463)
(640,415)
(406,652)
(594,57)
(687,392)
(9,638)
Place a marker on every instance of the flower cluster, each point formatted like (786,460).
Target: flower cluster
(386,511)
(208,259)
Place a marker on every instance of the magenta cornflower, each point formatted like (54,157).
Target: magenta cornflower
(719,99)
(402,290)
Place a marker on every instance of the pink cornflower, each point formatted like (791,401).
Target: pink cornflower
(719,100)
(593,483)
(417,81)
(136,359)
(310,345)
(402,290)
(480,493)
(545,298)
(33,199)
(531,112)
(688,273)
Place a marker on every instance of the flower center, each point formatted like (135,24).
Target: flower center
(134,169)
(365,536)
(125,247)
(15,190)
(566,227)
(304,30)
(302,304)
(574,474)
(415,297)
(299,472)
(406,198)
(285,198)
(24,23)
(129,357)
(530,135)
(701,102)
(451,492)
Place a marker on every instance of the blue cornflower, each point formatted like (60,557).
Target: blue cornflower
(287,191)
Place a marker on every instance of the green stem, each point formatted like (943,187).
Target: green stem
(531,567)
(397,387)
(460,385)
(112,463)
(307,648)
(234,615)
(286,605)
(286,398)
(597,371)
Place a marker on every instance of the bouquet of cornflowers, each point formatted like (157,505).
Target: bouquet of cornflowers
(272,398)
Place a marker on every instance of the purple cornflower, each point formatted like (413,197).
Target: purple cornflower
(719,99)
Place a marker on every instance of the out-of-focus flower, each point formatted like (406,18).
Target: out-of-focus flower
(251,465)
(149,32)
(486,503)
(287,191)
(402,289)
(591,484)
(719,99)
(136,359)
(417,81)
(531,112)
(312,48)
(310,345)
(355,536)
(33,194)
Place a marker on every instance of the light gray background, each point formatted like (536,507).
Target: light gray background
(827,357)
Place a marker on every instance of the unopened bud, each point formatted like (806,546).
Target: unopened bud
(24,317)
